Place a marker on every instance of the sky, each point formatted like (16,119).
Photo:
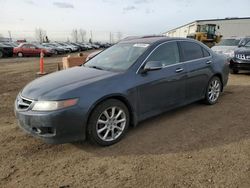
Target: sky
(129,17)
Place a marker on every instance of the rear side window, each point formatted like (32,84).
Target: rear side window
(205,52)
(191,51)
(167,54)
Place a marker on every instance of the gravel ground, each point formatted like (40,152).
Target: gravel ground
(193,146)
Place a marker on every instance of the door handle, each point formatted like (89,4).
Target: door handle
(209,62)
(179,70)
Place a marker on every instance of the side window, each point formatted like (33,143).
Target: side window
(32,47)
(191,51)
(205,53)
(167,54)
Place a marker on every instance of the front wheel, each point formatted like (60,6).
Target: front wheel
(213,90)
(1,54)
(108,122)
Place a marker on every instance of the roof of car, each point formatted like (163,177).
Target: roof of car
(149,39)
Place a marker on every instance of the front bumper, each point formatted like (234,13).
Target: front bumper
(57,127)
(239,64)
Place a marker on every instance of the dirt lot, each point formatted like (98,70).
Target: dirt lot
(193,146)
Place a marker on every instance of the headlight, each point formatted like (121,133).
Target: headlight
(53,105)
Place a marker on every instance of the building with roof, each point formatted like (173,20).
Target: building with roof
(228,27)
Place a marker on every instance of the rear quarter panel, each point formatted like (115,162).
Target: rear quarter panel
(221,66)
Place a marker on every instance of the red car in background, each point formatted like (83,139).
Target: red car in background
(27,49)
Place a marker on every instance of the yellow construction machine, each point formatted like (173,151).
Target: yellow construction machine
(206,34)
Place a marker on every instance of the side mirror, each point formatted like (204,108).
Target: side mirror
(152,65)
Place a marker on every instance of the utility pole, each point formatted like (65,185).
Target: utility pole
(91,35)
(10,35)
(110,38)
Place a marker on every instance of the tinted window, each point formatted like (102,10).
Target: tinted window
(205,52)
(191,51)
(167,54)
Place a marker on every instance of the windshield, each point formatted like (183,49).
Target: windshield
(244,41)
(118,57)
(229,42)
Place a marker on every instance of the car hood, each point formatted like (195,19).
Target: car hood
(73,76)
(243,51)
(223,49)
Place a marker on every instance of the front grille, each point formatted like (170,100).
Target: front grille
(23,103)
(242,56)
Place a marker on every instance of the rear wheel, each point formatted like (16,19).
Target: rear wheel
(20,54)
(213,90)
(108,122)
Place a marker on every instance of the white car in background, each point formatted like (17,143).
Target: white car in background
(227,46)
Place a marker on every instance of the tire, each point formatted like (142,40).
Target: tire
(234,71)
(108,122)
(213,91)
(1,54)
(56,52)
(20,54)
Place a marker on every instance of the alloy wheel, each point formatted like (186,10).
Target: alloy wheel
(214,90)
(111,123)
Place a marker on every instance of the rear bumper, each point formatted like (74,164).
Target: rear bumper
(57,127)
(239,64)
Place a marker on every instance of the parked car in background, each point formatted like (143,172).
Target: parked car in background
(89,47)
(11,44)
(79,45)
(105,45)
(28,49)
(127,83)
(241,60)
(66,49)
(68,46)
(227,46)
(57,50)
(5,51)
(95,46)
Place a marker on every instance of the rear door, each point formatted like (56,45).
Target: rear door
(199,62)
(165,88)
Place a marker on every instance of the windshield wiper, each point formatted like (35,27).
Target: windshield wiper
(95,67)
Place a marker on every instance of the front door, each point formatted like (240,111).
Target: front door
(162,89)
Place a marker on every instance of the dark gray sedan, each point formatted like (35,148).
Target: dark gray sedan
(133,80)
